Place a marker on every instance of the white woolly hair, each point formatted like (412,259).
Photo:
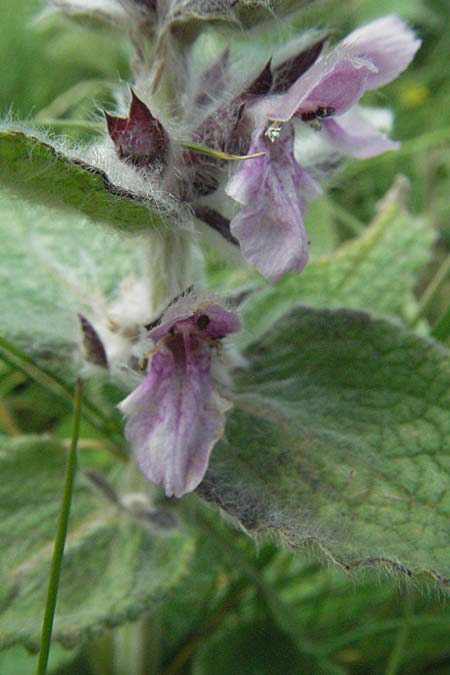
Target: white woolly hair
(140,184)
(109,11)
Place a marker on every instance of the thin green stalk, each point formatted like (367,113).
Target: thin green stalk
(21,361)
(62,103)
(396,656)
(60,539)
(372,630)
(441,329)
(205,150)
(346,218)
(14,357)
(8,421)
(65,123)
(432,290)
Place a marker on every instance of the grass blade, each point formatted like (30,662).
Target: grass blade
(60,538)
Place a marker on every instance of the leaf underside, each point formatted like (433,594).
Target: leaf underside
(40,173)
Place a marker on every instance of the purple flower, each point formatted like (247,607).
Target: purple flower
(176,415)
(368,58)
(274,189)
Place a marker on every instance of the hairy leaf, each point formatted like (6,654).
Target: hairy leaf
(376,271)
(340,436)
(114,567)
(40,173)
(51,269)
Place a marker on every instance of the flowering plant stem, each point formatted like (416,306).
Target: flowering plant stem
(60,539)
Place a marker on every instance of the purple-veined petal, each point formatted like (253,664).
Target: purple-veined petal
(388,44)
(270,227)
(336,81)
(206,319)
(368,58)
(353,134)
(246,181)
(175,417)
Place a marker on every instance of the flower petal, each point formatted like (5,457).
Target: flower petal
(203,318)
(274,192)
(387,43)
(175,417)
(246,181)
(354,134)
(336,81)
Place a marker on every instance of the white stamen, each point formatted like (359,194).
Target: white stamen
(273,131)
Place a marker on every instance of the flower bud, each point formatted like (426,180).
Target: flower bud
(139,138)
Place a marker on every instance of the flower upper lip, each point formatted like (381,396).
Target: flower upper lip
(368,58)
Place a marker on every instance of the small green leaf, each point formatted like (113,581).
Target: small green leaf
(114,568)
(41,173)
(376,271)
(340,436)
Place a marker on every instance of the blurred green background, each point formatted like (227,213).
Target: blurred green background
(219,621)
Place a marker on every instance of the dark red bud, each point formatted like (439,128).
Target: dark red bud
(289,71)
(94,350)
(139,138)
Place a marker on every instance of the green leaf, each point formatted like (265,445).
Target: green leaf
(376,271)
(114,567)
(261,647)
(340,437)
(51,268)
(41,173)
(17,660)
